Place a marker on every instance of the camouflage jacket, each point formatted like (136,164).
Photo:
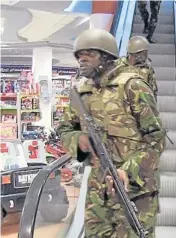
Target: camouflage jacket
(126,110)
(145,70)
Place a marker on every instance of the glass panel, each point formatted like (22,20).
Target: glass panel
(58,202)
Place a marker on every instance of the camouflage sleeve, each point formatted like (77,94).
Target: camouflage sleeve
(144,109)
(70,130)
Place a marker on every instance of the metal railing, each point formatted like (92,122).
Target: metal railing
(29,213)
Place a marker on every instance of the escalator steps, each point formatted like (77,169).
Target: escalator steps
(160,38)
(165,74)
(168,120)
(161,28)
(168,184)
(167,215)
(163,61)
(168,161)
(166,88)
(167,103)
(162,19)
(165,231)
(162,49)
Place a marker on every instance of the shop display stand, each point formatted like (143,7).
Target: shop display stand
(19,105)
(61,88)
(29,111)
(9,115)
(61,102)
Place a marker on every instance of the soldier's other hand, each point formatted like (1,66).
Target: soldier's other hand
(124,177)
(109,180)
(85,145)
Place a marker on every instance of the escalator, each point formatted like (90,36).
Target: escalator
(162,55)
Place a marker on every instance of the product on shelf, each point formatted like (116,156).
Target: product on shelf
(26,103)
(58,115)
(57,86)
(8,106)
(8,118)
(8,131)
(30,116)
(18,93)
(35,103)
(29,102)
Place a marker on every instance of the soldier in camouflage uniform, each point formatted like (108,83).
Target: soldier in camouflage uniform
(124,107)
(137,61)
(149,26)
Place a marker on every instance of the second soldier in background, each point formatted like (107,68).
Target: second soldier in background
(137,61)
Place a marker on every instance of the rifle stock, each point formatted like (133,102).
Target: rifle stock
(95,135)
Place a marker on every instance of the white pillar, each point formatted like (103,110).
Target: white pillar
(42,70)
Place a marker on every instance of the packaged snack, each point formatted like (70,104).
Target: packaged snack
(35,103)
(8,131)
(26,103)
(9,118)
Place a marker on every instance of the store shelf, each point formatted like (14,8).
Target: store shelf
(62,106)
(8,108)
(8,95)
(28,121)
(60,96)
(29,95)
(30,110)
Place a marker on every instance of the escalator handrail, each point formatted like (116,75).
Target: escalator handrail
(127,27)
(30,208)
(175,19)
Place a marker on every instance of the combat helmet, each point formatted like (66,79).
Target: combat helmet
(97,39)
(137,44)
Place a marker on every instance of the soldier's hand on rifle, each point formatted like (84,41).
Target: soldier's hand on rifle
(109,180)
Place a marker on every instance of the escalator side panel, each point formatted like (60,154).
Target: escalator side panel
(30,208)
(127,28)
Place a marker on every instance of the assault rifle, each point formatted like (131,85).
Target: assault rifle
(96,136)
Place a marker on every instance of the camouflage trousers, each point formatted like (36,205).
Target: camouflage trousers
(106,218)
(154,8)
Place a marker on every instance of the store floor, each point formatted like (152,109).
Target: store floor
(11,224)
